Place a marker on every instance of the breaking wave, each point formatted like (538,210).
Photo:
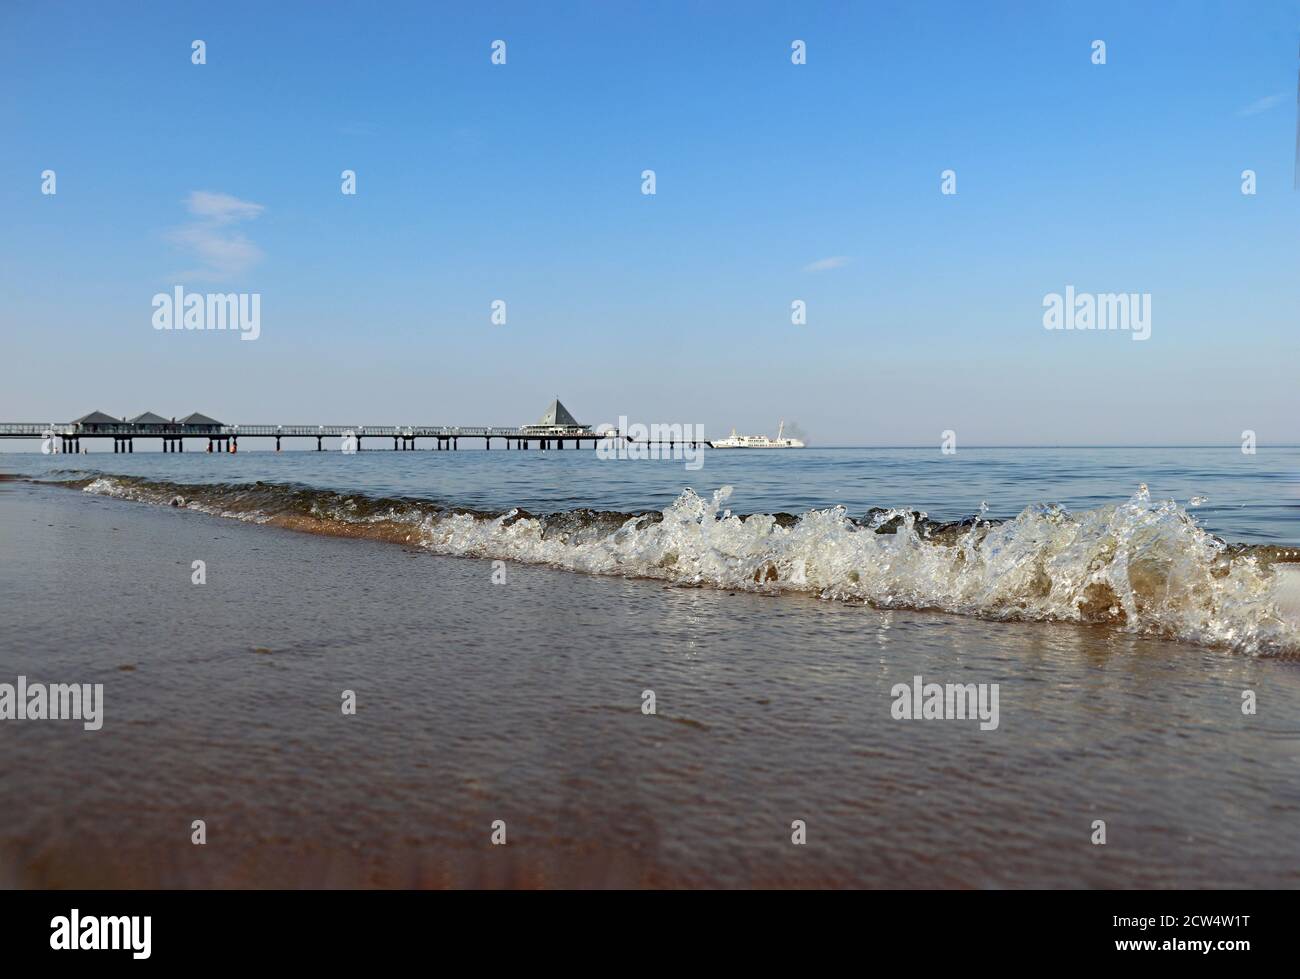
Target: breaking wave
(1140,565)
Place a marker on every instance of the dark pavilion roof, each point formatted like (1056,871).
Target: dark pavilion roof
(97,418)
(557,414)
(197,418)
(149,418)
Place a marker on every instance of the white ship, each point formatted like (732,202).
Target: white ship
(734,441)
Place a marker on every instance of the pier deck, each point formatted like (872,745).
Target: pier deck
(226,437)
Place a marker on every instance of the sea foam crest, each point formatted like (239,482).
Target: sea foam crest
(1141,565)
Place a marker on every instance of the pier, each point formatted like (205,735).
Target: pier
(556,428)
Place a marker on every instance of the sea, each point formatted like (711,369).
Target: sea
(553,669)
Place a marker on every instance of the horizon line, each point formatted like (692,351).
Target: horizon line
(1063,445)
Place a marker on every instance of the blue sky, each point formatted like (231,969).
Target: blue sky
(522,182)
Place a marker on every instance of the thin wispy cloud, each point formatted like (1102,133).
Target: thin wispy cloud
(826,264)
(222,252)
(1264,104)
(221,208)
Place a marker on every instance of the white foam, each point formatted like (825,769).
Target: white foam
(1143,566)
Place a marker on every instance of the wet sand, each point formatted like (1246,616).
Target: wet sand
(522,702)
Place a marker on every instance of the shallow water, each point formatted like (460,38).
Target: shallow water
(1141,564)
(521,701)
